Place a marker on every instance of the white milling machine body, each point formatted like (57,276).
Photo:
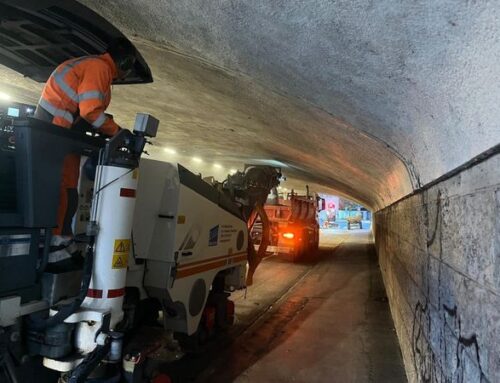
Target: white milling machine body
(165,232)
(188,233)
(159,239)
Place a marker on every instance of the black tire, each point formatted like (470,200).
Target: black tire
(303,252)
(315,248)
(202,335)
(297,254)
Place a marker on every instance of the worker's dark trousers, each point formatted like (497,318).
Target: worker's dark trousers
(68,193)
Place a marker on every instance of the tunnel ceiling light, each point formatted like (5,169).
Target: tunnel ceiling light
(217,166)
(169,150)
(197,159)
(4,96)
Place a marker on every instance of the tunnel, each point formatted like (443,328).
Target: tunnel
(394,105)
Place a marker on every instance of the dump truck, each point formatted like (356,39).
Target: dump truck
(293,226)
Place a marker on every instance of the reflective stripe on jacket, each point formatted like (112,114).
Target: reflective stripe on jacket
(81,86)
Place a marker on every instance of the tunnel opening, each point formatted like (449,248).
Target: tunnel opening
(343,214)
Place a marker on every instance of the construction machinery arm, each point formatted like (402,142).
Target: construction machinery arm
(255,257)
(249,189)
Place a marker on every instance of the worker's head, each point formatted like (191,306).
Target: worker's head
(124,55)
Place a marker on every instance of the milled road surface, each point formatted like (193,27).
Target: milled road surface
(331,322)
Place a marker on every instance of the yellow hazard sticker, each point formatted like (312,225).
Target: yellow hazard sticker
(121,250)
(122,246)
(120,261)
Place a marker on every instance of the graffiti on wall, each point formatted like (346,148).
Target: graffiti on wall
(443,349)
(458,357)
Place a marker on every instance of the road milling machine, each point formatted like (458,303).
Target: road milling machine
(157,244)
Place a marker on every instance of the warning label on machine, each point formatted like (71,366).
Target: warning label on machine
(121,250)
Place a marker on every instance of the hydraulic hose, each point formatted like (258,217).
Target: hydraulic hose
(80,373)
(69,309)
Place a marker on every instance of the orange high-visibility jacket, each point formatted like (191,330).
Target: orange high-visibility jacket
(81,86)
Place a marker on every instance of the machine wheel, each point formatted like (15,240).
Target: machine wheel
(302,251)
(298,253)
(310,254)
(314,247)
(193,343)
(202,335)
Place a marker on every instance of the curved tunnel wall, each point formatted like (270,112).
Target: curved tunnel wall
(439,252)
(419,77)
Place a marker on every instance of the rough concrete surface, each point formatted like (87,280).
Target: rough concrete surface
(439,252)
(418,76)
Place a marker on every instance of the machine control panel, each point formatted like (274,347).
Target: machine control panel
(8,114)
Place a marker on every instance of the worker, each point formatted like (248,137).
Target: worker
(80,88)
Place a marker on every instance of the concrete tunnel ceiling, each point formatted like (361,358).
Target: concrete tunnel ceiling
(369,99)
